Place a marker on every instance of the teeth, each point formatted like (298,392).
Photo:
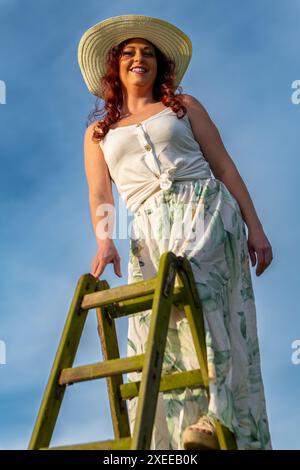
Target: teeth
(138,69)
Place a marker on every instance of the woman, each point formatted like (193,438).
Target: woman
(160,149)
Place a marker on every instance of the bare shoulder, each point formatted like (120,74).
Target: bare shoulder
(89,133)
(187,99)
(92,149)
(195,109)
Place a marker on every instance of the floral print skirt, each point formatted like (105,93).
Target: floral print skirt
(214,241)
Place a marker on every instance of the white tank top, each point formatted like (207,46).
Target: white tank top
(146,157)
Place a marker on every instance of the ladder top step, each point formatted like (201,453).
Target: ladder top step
(117,294)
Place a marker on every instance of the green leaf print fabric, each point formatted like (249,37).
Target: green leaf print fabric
(220,263)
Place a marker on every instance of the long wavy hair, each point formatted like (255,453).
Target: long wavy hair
(163,90)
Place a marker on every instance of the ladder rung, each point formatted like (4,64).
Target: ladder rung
(139,304)
(190,378)
(101,369)
(118,444)
(117,294)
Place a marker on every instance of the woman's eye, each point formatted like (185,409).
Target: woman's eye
(146,53)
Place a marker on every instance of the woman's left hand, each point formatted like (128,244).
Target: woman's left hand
(259,249)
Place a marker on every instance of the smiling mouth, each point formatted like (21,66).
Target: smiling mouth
(138,72)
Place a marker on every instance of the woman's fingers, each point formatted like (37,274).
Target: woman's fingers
(260,250)
(102,259)
(265,257)
(117,266)
(94,266)
(252,256)
(261,262)
(101,266)
(268,256)
(99,271)
(97,268)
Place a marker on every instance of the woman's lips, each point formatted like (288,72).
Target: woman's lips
(139,73)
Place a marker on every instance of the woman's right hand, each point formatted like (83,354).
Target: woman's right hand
(107,253)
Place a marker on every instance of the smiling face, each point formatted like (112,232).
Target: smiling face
(138,52)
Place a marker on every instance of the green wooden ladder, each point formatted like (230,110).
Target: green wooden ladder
(157,293)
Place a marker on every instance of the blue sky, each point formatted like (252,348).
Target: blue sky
(244,62)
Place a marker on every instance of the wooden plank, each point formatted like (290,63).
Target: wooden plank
(227,440)
(100,370)
(120,444)
(140,304)
(117,294)
(168,382)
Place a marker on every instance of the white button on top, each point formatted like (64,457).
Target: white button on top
(152,159)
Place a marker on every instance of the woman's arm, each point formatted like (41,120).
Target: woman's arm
(220,162)
(99,183)
(102,206)
(224,169)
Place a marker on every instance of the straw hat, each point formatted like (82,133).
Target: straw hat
(97,40)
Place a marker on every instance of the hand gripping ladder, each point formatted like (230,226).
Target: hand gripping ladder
(157,293)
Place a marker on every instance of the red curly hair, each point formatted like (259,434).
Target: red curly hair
(163,90)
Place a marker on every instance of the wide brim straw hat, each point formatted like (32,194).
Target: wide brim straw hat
(100,38)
